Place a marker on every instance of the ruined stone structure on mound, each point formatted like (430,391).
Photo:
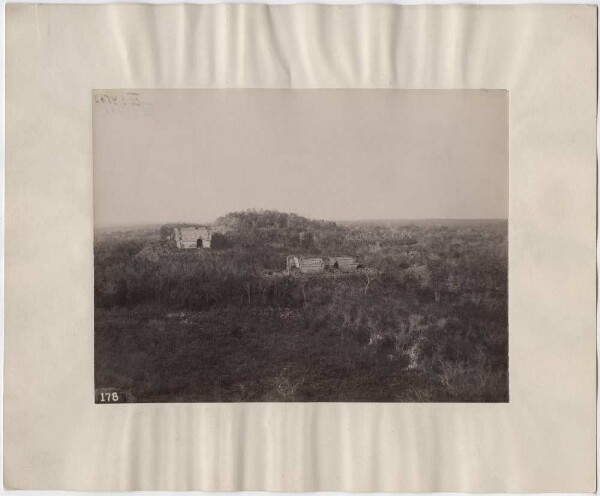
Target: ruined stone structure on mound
(192,237)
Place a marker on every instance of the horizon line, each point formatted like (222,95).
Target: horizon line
(388,219)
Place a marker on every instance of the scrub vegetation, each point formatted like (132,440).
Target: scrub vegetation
(424,320)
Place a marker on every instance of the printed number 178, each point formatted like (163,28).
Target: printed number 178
(109,397)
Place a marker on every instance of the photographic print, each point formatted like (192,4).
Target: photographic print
(300,245)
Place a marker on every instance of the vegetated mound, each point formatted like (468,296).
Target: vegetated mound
(251,220)
(279,230)
(153,252)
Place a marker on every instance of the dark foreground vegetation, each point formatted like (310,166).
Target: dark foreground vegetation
(426,320)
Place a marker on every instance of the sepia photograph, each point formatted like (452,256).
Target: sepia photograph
(300,245)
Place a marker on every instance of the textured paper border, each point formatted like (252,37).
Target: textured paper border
(56,438)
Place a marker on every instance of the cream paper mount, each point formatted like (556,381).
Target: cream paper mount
(542,440)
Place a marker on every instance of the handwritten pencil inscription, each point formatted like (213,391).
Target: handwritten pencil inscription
(123,103)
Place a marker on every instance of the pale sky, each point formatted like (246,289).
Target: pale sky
(194,155)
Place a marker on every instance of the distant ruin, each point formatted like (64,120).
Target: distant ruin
(316,265)
(187,238)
